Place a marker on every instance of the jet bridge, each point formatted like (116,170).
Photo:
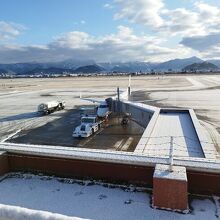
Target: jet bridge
(176,129)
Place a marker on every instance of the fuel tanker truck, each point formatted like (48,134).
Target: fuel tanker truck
(50,107)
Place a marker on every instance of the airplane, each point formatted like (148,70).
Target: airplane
(102,109)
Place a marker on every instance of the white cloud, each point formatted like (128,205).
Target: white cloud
(181,22)
(197,29)
(207,45)
(121,46)
(81,22)
(209,17)
(146,12)
(9,30)
(73,40)
(202,43)
(202,18)
(207,11)
(107,5)
(124,45)
(207,42)
(212,53)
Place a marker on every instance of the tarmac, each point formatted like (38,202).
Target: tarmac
(20,97)
(111,136)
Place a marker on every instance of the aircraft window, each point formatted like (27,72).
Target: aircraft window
(103,106)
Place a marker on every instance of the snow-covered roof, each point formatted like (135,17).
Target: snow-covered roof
(32,197)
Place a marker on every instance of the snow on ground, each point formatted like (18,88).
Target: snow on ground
(19,213)
(86,200)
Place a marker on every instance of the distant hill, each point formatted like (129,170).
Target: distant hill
(71,63)
(216,62)
(51,70)
(2,71)
(177,64)
(89,66)
(25,68)
(204,66)
(89,69)
(132,67)
(19,68)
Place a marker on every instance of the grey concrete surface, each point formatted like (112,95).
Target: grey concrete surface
(111,136)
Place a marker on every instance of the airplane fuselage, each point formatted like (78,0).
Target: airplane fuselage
(103,110)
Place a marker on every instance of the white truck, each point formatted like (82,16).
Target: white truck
(89,125)
(52,106)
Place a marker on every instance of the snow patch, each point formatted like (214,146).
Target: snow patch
(22,195)
(15,212)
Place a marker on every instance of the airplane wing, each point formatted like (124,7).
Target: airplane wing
(89,99)
(92,100)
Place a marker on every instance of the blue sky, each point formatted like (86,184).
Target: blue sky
(47,19)
(108,30)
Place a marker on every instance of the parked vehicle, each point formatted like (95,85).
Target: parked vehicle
(89,125)
(52,106)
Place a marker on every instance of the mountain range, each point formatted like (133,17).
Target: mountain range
(89,66)
(204,66)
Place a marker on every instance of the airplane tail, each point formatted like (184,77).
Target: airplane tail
(129,81)
(124,95)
